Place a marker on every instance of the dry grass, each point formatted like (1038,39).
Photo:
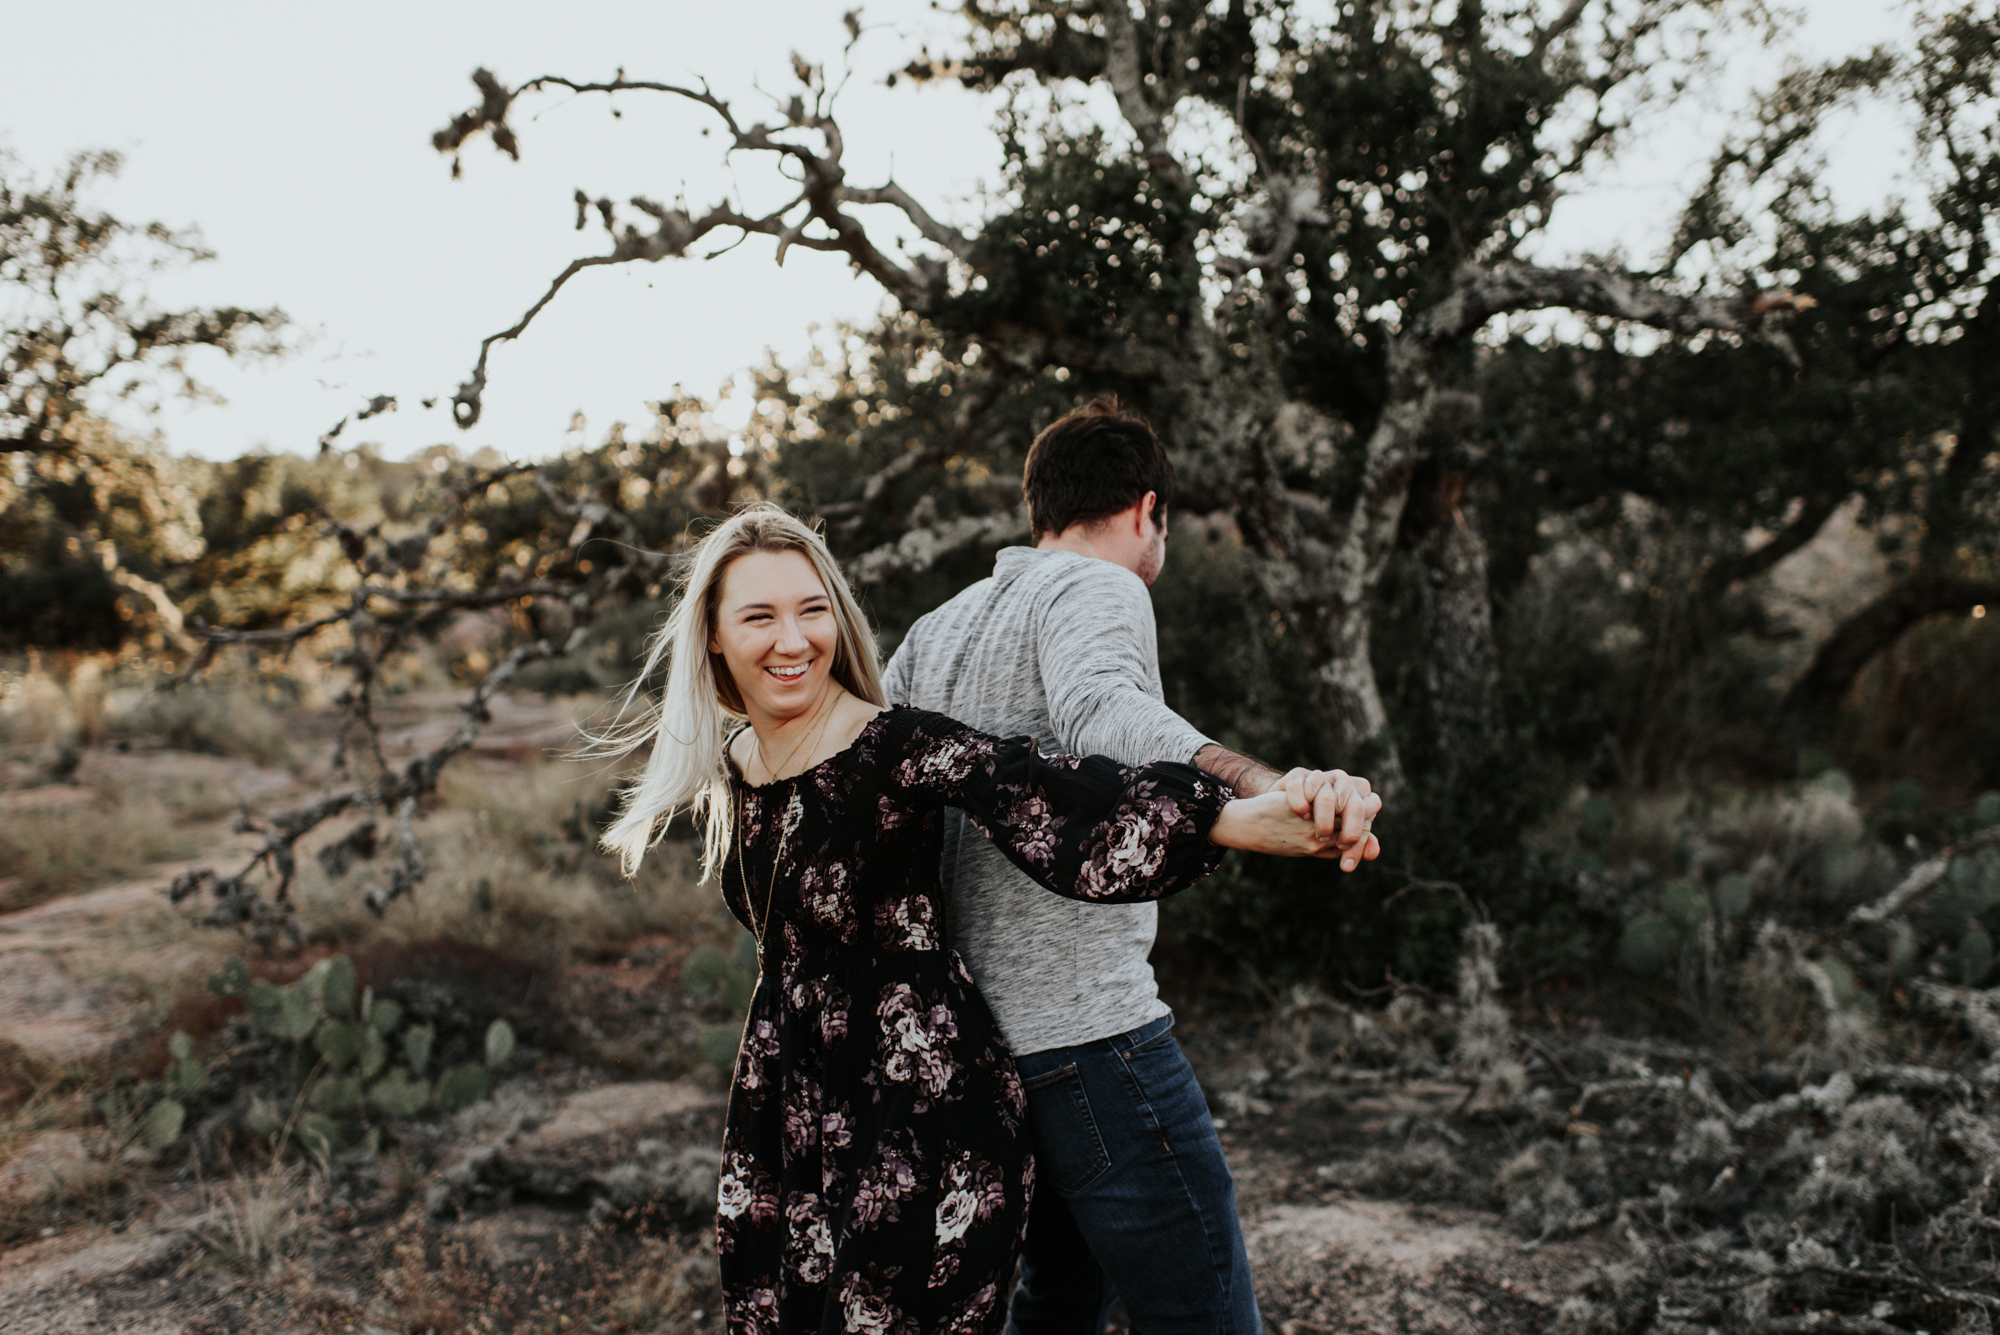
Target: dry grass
(230,720)
(34,1099)
(58,851)
(668,1282)
(257,1219)
(35,709)
(510,870)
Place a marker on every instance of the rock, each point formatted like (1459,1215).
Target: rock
(52,1017)
(684,1180)
(53,1166)
(577,1147)
(74,971)
(87,1282)
(1411,1268)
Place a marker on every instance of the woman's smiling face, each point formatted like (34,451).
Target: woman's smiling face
(776,631)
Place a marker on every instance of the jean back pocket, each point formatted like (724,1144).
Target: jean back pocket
(1069,1147)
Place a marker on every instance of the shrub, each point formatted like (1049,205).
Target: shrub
(205,720)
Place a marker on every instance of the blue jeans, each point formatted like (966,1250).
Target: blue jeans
(1132,1197)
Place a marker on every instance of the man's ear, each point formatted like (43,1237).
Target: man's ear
(1147,504)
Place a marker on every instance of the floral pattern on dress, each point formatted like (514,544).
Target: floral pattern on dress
(972,1191)
(908,924)
(919,1048)
(755,1313)
(876,1171)
(865,1304)
(949,763)
(1007,1083)
(894,1177)
(1034,824)
(754,1059)
(976,1313)
(745,1192)
(808,1240)
(823,892)
(1133,844)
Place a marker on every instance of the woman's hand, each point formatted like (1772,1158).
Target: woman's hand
(1268,824)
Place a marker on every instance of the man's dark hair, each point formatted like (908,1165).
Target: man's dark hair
(1091,463)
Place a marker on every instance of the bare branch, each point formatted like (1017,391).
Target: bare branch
(1922,877)
(1482,294)
(815,219)
(922,548)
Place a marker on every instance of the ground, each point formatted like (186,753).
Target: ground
(577,1197)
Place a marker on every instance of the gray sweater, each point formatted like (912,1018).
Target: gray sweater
(1060,647)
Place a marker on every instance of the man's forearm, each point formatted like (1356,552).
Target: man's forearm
(1245,775)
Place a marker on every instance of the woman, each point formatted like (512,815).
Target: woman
(876,1170)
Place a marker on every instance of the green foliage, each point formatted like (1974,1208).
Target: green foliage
(729,980)
(184,1075)
(163,1123)
(384,1015)
(417,1047)
(339,1043)
(89,517)
(399,1094)
(337,1038)
(1975,955)
(463,1086)
(231,980)
(719,1045)
(1732,896)
(1649,945)
(499,1044)
(709,973)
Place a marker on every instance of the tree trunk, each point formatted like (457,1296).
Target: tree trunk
(1876,627)
(1461,662)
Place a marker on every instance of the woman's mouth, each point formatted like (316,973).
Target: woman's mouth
(792,673)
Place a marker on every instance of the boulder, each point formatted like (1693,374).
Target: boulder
(51,1016)
(630,1143)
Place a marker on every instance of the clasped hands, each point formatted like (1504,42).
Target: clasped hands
(1307,813)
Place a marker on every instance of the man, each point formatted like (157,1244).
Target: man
(1133,1196)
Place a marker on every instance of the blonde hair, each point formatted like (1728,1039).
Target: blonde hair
(690,725)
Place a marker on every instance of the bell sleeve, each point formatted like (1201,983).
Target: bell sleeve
(1084,827)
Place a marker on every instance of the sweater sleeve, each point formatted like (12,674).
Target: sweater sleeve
(1099,655)
(1085,828)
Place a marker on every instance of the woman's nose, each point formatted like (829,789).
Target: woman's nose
(791,640)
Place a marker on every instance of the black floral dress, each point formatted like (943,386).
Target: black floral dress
(876,1165)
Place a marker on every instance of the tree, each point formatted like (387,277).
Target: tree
(90,518)
(1891,406)
(1282,252)
(80,324)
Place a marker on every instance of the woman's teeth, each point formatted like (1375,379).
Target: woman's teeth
(789,673)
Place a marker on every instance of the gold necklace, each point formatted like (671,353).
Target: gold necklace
(770,881)
(784,832)
(830,699)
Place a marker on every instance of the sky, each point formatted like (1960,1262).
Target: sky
(297,139)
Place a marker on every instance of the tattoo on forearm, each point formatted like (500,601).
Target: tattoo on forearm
(1245,775)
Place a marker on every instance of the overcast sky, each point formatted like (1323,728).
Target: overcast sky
(297,139)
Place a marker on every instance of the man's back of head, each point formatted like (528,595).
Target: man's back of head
(1091,464)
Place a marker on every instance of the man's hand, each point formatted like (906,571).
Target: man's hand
(1342,808)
